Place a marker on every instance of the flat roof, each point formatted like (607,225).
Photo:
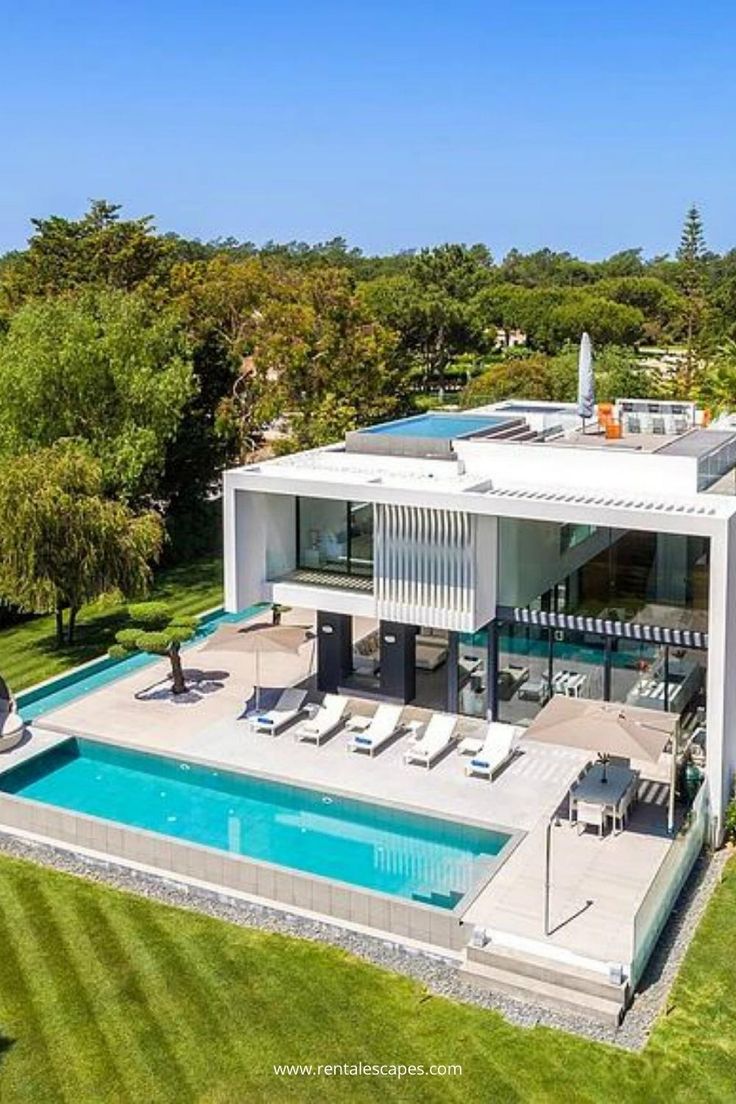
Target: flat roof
(699,442)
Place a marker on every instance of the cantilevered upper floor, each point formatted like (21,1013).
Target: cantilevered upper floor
(402,521)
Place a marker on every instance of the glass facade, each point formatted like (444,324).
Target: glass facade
(536,662)
(654,579)
(473,673)
(335,536)
(617,574)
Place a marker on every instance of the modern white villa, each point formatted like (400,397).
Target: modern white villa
(508,554)
(496,724)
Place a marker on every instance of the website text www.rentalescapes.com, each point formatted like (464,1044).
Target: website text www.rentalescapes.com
(396,1070)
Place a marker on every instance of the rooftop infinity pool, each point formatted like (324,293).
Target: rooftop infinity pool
(392,851)
(438,426)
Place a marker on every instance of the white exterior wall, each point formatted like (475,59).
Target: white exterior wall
(600,469)
(530,561)
(721,682)
(260,543)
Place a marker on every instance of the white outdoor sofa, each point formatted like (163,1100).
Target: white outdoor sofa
(382,727)
(286,710)
(324,721)
(438,736)
(497,750)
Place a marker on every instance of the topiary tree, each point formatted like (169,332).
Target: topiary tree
(158,632)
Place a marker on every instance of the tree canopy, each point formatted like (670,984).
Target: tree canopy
(100,248)
(170,358)
(105,367)
(62,543)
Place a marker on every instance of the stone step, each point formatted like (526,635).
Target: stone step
(548,970)
(551,995)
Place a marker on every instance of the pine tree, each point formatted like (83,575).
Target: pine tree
(691,258)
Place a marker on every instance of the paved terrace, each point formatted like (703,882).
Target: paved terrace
(612,874)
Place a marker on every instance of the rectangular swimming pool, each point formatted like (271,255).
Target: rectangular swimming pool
(438,426)
(419,858)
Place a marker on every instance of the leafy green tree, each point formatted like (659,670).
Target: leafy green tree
(108,368)
(721,317)
(531,375)
(431,306)
(100,249)
(318,354)
(715,387)
(545,268)
(619,373)
(552,316)
(156,632)
(692,277)
(627,262)
(220,300)
(662,307)
(62,543)
(606,322)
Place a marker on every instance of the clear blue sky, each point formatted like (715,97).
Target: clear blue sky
(580,125)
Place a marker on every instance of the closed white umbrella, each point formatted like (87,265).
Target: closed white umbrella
(586,381)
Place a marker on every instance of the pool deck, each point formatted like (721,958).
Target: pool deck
(596,885)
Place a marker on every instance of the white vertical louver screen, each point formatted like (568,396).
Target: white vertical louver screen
(425,566)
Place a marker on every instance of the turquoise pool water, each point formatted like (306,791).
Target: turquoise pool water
(438,426)
(395,852)
(74,684)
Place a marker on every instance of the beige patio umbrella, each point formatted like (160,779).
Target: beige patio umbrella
(609,728)
(257,640)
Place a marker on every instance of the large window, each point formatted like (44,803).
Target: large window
(335,536)
(536,662)
(623,575)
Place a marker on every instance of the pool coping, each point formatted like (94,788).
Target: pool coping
(268,881)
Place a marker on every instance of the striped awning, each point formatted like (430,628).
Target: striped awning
(627,630)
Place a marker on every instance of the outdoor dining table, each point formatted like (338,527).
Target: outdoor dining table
(609,793)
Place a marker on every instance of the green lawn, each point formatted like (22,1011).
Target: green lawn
(28,652)
(105,997)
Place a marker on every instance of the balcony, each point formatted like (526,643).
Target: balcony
(320,577)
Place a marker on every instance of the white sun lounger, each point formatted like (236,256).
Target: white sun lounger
(326,720)
(497,750)
(286,710)
(385,723)
(437,737)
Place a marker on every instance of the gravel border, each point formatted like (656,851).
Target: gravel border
(439,973)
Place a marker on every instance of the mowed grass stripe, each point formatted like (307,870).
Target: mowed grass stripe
(109,1001)
(213,987)
(170,1008)
(140,1000)
(23,1011)
(202,1009)
(90,1061)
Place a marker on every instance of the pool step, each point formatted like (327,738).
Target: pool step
(546,982)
